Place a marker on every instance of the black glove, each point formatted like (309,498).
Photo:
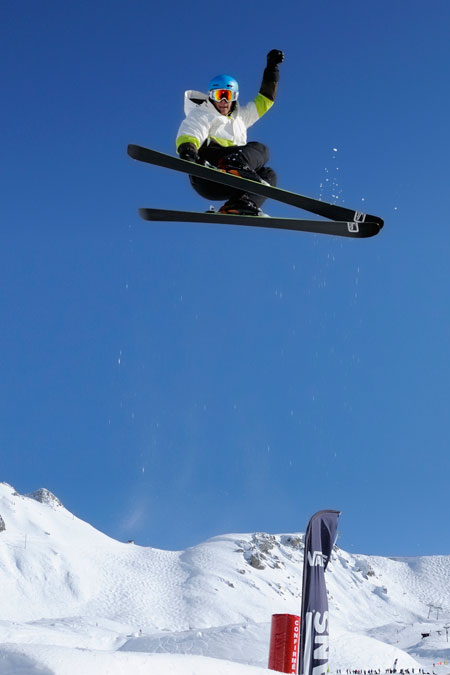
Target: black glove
(274,57)
(189,151)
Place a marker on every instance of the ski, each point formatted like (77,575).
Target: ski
(336,228)
(332,211)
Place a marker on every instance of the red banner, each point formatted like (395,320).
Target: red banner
(284,643)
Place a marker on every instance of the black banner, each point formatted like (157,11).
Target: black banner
(319,540)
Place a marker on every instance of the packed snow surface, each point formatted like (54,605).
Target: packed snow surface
(76,601)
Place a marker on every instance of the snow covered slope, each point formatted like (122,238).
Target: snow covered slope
(65,585)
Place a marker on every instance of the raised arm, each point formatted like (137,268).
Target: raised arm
(271,74)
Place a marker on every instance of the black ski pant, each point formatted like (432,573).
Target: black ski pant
(255,154)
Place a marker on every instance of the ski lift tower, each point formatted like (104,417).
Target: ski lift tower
(430,607)
(446,627)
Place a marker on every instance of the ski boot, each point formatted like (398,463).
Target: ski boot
(235,163)
(242,206)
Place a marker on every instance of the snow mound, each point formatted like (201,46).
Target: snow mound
(50,660)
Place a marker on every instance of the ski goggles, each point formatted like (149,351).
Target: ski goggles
(220,94)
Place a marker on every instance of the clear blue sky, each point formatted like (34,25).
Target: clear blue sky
(171,382)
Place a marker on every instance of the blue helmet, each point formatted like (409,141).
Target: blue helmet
(224,82)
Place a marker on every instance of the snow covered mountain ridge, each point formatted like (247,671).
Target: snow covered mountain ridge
(64,585)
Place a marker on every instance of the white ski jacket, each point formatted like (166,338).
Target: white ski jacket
(204,122)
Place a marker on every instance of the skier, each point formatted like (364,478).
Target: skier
(215,131)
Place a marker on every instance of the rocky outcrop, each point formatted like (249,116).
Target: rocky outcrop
(44,496)
(268,550)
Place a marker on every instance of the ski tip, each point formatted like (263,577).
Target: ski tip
(132,150)
(369,228)
(375,219)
